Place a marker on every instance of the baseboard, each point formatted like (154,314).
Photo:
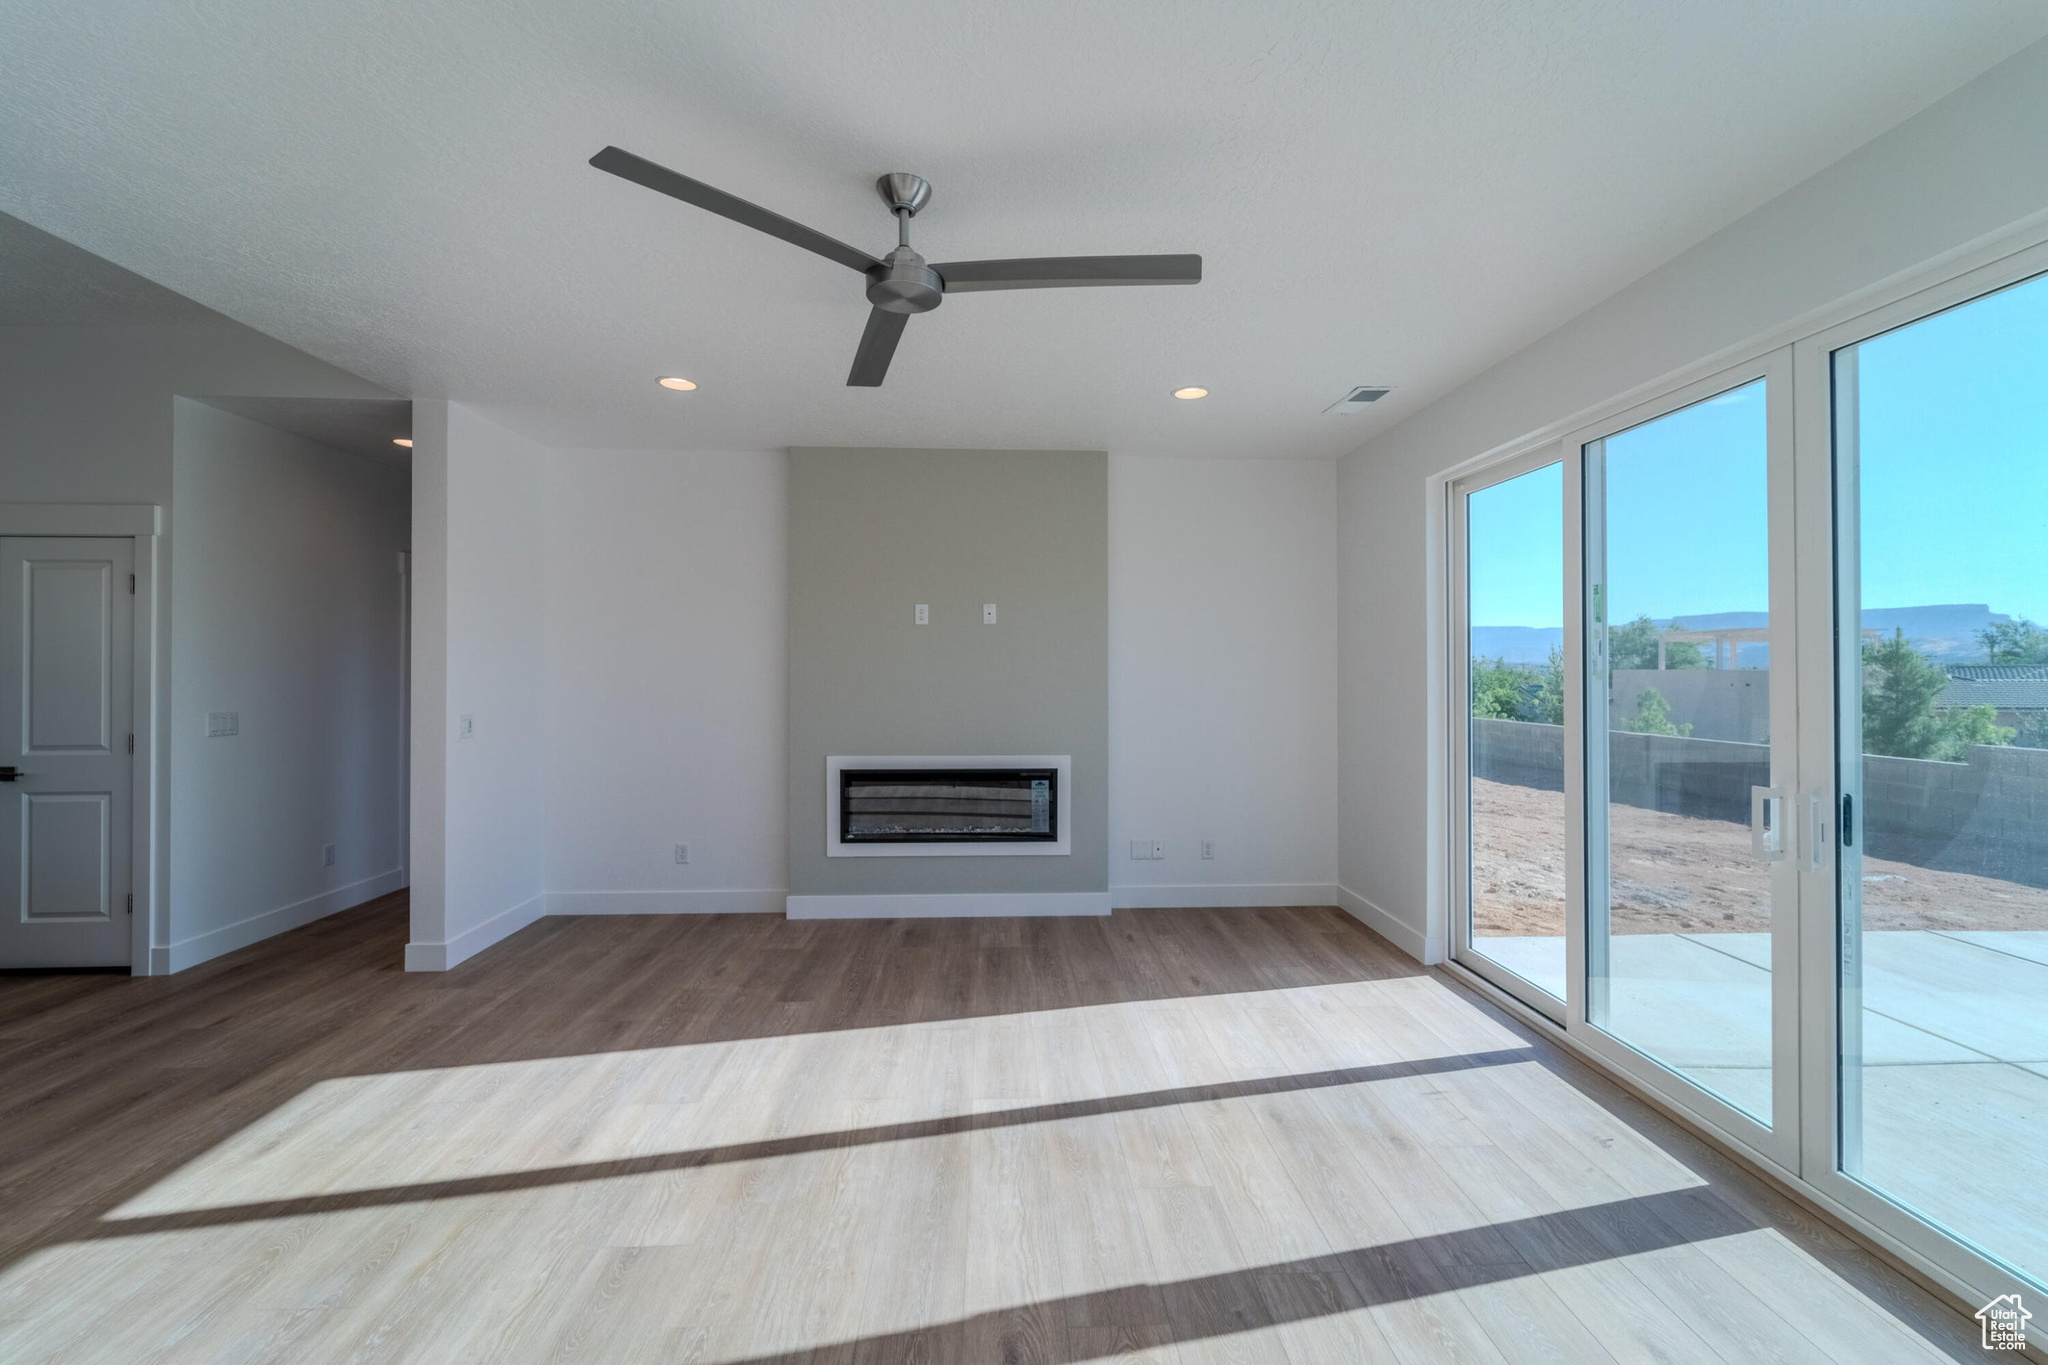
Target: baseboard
(950,907)
(1425,950)
(756,901)
(439,957)
(1206,896)
(190,952)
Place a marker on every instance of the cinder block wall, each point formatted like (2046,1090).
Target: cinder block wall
(1987,816)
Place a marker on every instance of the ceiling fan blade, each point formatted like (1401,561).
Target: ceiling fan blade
(877,345)
(1064,272)
(641,171)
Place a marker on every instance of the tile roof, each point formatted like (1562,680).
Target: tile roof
(2009,687)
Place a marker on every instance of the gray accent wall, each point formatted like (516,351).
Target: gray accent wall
(874,532)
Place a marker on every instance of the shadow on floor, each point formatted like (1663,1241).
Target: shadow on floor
(114,1084)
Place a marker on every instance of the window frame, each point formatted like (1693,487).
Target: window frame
(1458,671)
(1812,1126)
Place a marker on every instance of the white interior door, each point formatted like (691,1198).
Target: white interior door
(66,619)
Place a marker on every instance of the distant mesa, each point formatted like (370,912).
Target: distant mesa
(1945,633)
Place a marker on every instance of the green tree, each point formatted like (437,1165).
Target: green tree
(1634,645)
(2015,642)
(1549,701)
(1497,690)
(1899,717)
(1965,727)
(2033,732)
(1653,716)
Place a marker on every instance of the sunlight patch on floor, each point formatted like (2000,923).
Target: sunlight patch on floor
(507,1118)
(812,1189)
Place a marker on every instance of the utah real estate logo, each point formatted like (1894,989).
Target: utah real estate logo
(2005,1323)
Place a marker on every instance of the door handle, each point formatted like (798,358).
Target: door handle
(1767,839)
(10,774)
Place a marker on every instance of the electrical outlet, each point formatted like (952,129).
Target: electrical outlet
(924,613)
(219,723)
(327,855)
(682,853)
(1209,849)
(465,727)
(988,613)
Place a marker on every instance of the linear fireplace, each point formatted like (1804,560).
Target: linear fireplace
(950,805)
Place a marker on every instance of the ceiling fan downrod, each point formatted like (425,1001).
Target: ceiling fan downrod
(903,283)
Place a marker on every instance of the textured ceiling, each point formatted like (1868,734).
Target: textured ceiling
(47,282)
(1385,192)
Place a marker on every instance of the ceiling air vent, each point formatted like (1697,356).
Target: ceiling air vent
(1356,400)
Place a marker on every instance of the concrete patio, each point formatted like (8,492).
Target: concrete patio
(1955,1068)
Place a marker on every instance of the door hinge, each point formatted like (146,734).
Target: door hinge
(131,902)
(131,741)
(131,585)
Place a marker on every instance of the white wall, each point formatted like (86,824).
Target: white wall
(479,637)
(663,679)
(1968,167)
(86,415)
(1223,679)
(666,672)
(287,609)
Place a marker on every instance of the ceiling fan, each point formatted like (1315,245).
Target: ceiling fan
(900,283)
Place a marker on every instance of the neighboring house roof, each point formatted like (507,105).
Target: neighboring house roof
(2009,687)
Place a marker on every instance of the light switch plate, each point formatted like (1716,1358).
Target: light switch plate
(219,723)
(988,613)
(465,727)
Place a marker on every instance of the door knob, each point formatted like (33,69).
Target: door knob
(8,774)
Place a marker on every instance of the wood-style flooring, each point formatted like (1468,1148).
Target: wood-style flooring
(1169,1135)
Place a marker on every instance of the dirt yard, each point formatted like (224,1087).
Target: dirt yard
(1676,874)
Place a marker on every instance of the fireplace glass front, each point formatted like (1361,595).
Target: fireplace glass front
(948,805)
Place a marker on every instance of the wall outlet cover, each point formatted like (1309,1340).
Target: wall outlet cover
(465,727)
(327,855)
(1208,848)
(988,613)
(682,853)
(924,613)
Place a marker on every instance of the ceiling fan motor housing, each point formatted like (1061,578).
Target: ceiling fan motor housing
(905,284)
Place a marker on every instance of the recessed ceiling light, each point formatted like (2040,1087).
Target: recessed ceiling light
(1191,392)
(676,382)
(405,441)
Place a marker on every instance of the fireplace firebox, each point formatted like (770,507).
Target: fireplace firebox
(923,805)
(948,805)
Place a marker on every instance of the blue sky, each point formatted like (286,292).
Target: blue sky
(1953,417)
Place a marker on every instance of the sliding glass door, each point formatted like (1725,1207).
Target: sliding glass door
(1941,474)
(1689,746)
(1508,661)
(1749,758)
